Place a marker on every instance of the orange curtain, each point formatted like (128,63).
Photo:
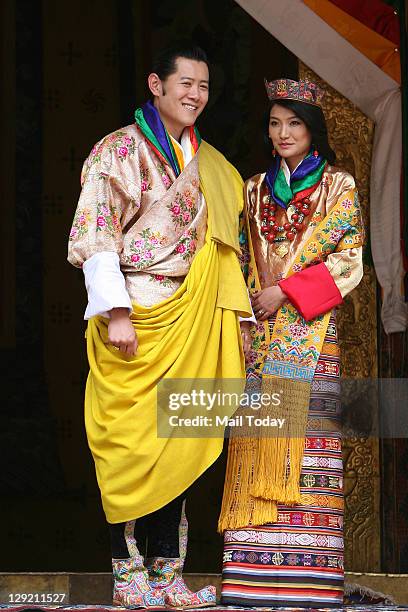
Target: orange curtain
(375,47)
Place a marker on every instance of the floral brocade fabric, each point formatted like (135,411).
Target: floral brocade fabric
(131,203)
(338,244)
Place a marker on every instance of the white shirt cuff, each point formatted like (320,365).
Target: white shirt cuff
(105,284)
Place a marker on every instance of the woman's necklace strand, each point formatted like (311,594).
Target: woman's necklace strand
(270,228)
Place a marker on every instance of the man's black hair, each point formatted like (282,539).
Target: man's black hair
(164,64)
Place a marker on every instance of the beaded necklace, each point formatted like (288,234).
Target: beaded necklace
(303,182)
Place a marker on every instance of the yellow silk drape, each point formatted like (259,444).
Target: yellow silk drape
(193,334)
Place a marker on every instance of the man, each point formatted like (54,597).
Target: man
(156,233)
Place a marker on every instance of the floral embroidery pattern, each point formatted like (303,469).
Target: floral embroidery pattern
(163,174)
(293,342)
(145,184)
(164,281)
(258,349)
(124,145)
(107,219)
(119,142)
(316,218)
(244,257)
(345,271)
(186,247)
(183,208)
(347,203)
(341,228)
(80,224)
(298,331)
(143,249)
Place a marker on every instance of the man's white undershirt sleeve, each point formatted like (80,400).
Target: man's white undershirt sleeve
(105,285)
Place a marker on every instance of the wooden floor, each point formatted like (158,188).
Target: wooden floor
(90,608)
(86,591)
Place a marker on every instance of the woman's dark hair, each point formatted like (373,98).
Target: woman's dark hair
(164,64)
(313,118)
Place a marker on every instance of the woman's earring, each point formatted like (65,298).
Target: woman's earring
(274,152)
(315,152)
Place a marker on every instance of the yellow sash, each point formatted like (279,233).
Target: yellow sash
(193,334)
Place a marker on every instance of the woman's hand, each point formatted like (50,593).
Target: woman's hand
(246,338)
(267,301)
(121,332)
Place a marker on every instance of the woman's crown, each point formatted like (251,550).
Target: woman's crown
(286,89)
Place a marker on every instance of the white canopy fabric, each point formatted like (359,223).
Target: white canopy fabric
(378,96)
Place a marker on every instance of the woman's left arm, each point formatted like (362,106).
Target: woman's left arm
(318,288)
(346,269)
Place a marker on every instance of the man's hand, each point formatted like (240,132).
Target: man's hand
(121,332)
(246,338)
(267,301)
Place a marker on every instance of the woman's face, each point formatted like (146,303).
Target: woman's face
(290,136)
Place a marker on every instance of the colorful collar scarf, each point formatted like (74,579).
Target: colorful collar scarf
(149,122)
(303,181)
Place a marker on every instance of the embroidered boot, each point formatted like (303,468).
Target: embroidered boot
(131,585)
(165,575)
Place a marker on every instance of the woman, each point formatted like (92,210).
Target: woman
(282,512)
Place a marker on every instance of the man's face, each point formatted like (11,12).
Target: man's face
(181,98)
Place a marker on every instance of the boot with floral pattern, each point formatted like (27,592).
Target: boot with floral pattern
(165,575)
(131,585)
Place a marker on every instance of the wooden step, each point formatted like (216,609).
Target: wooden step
(96,588)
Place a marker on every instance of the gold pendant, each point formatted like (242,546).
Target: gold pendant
(282,250)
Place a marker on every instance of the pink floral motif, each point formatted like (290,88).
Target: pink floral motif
(298,331)
(107,219)
(80,224)
(164,281)
(347,204)
(321,560)
(143,249)
(183,208)
(335,235)
(187,245)
(145,184)
(292,559)
(164,176)
(118,142)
